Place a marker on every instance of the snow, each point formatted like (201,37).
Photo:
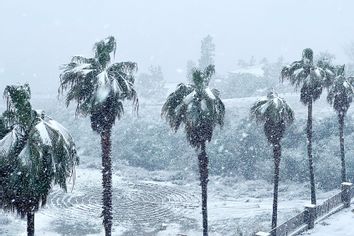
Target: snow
(203,105)
(82,68)
(255,70)
(61,129)
(104,88)
(209,93)
(339,224)
(189,98)
(7,142)
(43,133)
(173,207)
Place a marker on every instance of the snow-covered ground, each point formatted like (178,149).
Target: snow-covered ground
(339,224)
(167,201)
(156,203)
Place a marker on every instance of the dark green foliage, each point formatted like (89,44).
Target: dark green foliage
(310,78)
(276,115)
(37,152)
(197,107)
(99,87)
(340,94)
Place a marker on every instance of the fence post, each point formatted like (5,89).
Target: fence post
(346,193)
(310,215)
(262,234)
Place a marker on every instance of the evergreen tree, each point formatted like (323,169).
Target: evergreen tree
(99,89)
(311,79)
(340,95)
(276,115)
(200,109)
(207,53)
(36,153)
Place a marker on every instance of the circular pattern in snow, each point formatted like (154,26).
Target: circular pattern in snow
(133,204)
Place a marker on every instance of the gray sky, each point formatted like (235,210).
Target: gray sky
(37,36)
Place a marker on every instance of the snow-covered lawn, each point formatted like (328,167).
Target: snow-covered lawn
(156,203)
(339,224)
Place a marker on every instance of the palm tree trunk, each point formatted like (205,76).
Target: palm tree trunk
(30,224)
(309,153)
(107,181)
(341,142)
(203,170)
(277,156)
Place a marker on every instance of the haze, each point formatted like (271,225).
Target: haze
(39,36)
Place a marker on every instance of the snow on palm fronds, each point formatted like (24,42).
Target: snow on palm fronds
(98,86)
(35,154)
(341,92)
(272,108)
(275,113)
(197,106)
(305,75)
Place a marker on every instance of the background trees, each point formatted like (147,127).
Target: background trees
(36,153)
(200,109)
(276,115)
(99,89)
(207,53)
(151,85)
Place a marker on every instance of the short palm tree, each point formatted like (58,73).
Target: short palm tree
(99,89)
(276,115)
(311,79)
(36,153)
(200,109)
(340,95)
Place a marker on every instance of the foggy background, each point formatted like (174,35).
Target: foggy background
(38,36)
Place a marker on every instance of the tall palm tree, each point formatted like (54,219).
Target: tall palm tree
(99,89)
(276,115)
(200,109)
(36,153)
(340,95)
(311,79)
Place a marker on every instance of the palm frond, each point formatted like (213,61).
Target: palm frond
(198,107)
(340,94)
(309,78)
(98,86)
(272,108)
(275,114)
(47,157)
(174,108)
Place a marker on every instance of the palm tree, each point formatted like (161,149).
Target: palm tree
(36,153)
(200,109)
(340,95)
(276,115)
(312,80)
(99,89)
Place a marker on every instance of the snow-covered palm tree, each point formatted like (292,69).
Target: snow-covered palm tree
(340,95)
(276,115)
(36,153)
(199,109)
(99,88)
(311,80)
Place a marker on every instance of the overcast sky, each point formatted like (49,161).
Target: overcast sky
(37,36)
